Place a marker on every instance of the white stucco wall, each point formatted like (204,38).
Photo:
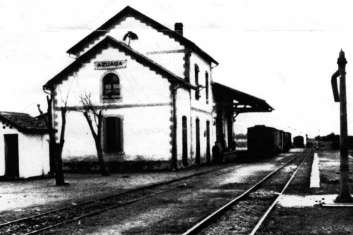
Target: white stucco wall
(146,134)
(150,42)
(139,85)
(199,108)
(204,67)
(174,62)
(203,117)
(33,153)
(183,109)
(145,107)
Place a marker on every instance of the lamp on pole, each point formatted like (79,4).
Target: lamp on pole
(344,194)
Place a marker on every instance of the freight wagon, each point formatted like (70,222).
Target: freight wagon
(266,141)
(298,141)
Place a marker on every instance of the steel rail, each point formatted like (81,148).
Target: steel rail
(268,211)
(96,212)
(117,205)
(214,215)
(97,200)
(151,186)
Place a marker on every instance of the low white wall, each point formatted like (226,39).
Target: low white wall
(33,153)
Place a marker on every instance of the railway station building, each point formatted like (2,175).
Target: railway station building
(155,87)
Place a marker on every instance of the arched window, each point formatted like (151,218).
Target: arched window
(197,92)
(111,86)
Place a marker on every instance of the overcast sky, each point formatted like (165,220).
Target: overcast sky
(281,51)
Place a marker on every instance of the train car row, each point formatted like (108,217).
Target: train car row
(266,141)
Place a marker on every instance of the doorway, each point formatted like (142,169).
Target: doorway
(197,141)
(185,141)
(11,155)
(208,147)
(113,135)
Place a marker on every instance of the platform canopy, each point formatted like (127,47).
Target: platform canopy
(238,101)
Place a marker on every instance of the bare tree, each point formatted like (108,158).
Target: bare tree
(94,117)
(55,149)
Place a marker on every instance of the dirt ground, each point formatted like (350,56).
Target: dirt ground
(300,211)
(42,194)
(175,211)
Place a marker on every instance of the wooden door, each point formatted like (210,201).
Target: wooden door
(11,155)
(208,144)
(185,141)
(113,135)
(197,141)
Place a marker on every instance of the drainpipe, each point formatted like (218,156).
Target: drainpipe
(174,159)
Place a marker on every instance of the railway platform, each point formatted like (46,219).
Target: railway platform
(311,210)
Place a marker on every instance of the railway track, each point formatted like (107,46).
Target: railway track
(246,213)
(43,222)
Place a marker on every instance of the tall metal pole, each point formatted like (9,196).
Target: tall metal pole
(344,195)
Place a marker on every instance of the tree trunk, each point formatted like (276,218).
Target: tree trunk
(103,167)
(55,149)
(59,175)
(97,139)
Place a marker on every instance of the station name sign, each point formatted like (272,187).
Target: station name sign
(110,64)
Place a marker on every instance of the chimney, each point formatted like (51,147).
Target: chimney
(178,27)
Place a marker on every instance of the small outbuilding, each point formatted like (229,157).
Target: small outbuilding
(24,148)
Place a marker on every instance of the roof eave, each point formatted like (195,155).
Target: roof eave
(78,47)
(257,104)
(23,129)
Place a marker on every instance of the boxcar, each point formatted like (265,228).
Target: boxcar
(263,141)
(298,141)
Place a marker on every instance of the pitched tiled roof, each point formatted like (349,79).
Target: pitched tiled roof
(109,41)
(24,122)
(129,11)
